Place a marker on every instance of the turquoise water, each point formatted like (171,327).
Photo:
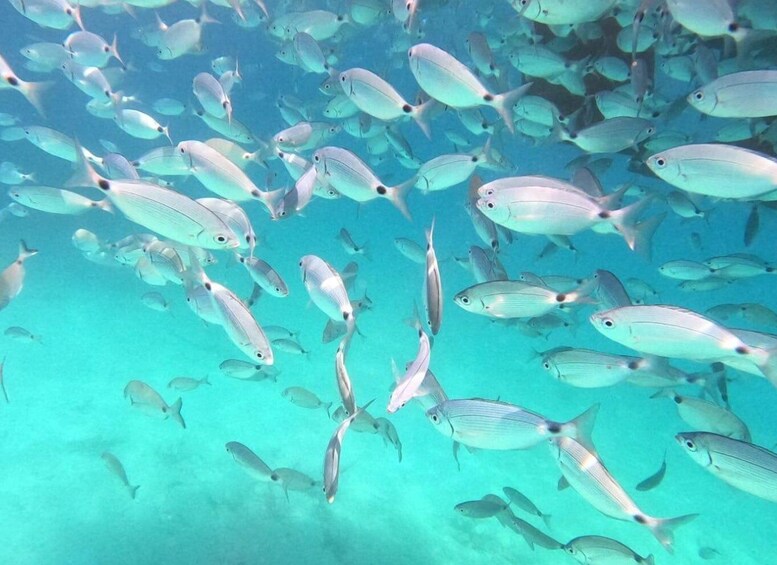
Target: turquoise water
(61,505)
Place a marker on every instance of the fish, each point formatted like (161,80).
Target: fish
(718,170)
(332,456)
(165,211)
(479,509)
(514,299)
(304,398)
(410,249)
(265,276)
(600,549)
(155,301)
(433,298)
(2,381)
(32,91)
(184,384)
(591,479)
(448,80)
(655,479)
(350,176)
(56,201)
(670,331)
(744,94)
(408,385)
(376,97)
(522,501)
(704,415)
(245,371)
(741,464)
(115,467)
(21,334)
(12,277)
(146,398)
(344,386)
(251,462)
(327,290)
(490,424)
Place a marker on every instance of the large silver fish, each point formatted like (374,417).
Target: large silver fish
(741,464)
(585,473)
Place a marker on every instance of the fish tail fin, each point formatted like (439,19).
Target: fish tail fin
(85,175)
(546,519)
(76,15)
(649,560)
(133,489)
(583,425)
(420,116)
(205,17)
(398,196)
(206,380)
(175,412)
(25,252)
(104,205)
(769,365)
(33,92)
(624,220)
(328,407)
(503,104)
(272,199)
(663,528)
(115,50)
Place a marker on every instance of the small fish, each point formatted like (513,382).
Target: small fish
(146,398)
(344,386)
(305,399)
(21,334)
(655,479)
(245,371)
(184,384)
(479,509)
(2,381)
(155,301)
(599,549)
(523,502)
(752,226)
(115,466)
(410,249)
(350,247)
(247,459)
(327,290)
(389,433)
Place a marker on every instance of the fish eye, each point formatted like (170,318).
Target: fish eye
(651,130)
(660,162)
(489,192)
(569,550)
(608,323)
(464,299)
(435,418)
(546,365)
(698,95)
(259,355)
(342,79)
(490,205)
(316,158)
(690,445)
(221,239)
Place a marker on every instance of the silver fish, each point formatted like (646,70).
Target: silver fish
(433,299)
(490,424)
(591,479)
(741,464)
